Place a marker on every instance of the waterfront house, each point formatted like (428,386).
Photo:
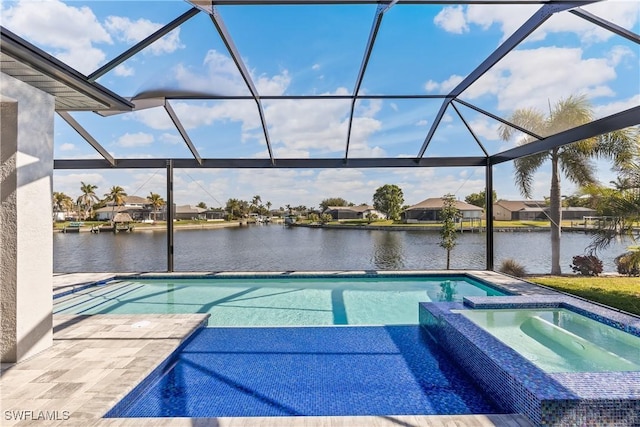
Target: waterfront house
(429,210)
(530,210)
(189,212)
(352,212)
(139,208)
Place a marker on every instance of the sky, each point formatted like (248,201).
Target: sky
(317,50)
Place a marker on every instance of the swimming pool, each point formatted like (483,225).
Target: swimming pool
(311,371)
(285,301)
(560,340)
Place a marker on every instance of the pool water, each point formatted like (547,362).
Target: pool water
(560,340)
(311,371)
(278,302)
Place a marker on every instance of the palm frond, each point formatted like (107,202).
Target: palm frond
(530,119)
(569,113)
(576,165)
(525,167)
(623,146)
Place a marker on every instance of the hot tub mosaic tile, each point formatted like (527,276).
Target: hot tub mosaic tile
(517,385)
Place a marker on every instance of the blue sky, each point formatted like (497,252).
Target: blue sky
(303,50)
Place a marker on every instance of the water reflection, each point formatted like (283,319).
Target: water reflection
(274,248)
(388,250)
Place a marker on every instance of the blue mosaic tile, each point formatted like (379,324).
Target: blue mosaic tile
(516,385)
(307,371)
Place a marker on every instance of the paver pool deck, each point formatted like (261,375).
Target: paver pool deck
(96,360)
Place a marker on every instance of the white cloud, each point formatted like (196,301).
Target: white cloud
(67,146)
(458,20)
(69,183)
(315,67)
(124,71)
(296,126)
(616,106)
(431,86)
(568,73)
(393,106)
(220,76)
(171,138)
(444,87)
(618,54)
(452,19)
(131,32)
(486,129)
(70,36)
(138,139)
(156,118)
(422,122)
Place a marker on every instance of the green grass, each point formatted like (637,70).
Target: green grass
(618,292)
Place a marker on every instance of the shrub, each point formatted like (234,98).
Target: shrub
(628,263)
(586,265)
(512,268)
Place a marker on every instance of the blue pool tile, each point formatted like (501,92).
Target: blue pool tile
(319,371)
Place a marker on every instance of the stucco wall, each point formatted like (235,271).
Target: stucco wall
(26,256)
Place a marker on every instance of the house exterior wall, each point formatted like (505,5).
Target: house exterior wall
(26,253)
(427,215)
(501,214)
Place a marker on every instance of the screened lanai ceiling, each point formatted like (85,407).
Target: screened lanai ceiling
(321,84)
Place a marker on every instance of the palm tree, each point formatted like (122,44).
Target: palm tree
(621,204)
(62,202)
(255,202)
(233,207)
(88,198)
(156,203)
(116,196)
(573,160)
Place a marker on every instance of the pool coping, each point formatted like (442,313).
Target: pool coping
(509,287)
(556,398)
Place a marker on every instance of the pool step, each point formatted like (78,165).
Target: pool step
(91,298)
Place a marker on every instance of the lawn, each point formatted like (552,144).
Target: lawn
(618,292)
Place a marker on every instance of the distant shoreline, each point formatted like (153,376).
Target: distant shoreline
(396,227)
(163,227)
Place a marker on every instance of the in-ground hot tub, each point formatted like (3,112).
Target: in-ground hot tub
(561,340)
(604,389)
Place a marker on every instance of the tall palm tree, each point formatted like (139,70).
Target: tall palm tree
(116,196)
(573,160)
(87,198)
(156,203)
(255,202)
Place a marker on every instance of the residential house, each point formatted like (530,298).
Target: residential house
(530,210)
(189,212)
(429,211)
(215,214)
(137,207)
(352,212)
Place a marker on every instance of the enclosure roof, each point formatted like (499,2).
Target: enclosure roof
(229,34)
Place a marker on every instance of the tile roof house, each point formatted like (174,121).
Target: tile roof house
(429,210)
(528,210)
(352,212)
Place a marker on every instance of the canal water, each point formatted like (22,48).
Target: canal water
(278,248)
